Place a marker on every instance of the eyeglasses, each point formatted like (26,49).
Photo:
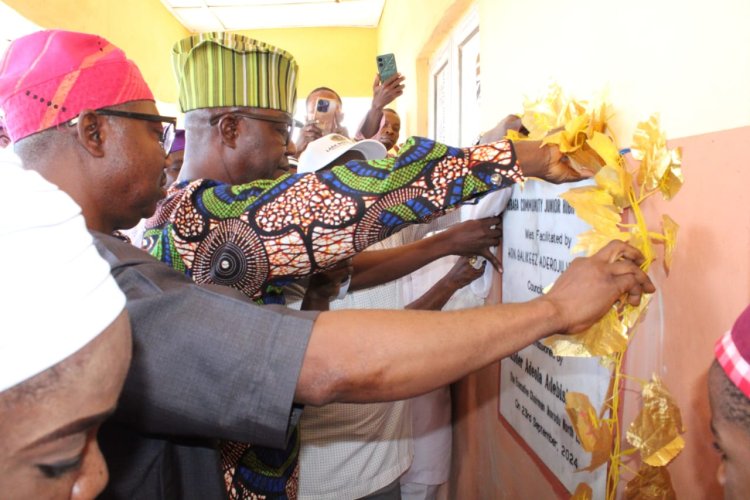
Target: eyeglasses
(290,123)
(168,133)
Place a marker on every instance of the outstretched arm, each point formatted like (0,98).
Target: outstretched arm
(248,235)
(474,237)
(186,336)
(412,352)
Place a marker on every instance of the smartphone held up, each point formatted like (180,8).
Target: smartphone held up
(325,115)
(386,66)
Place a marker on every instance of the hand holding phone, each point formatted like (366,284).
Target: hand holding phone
(325,115)
(384,93)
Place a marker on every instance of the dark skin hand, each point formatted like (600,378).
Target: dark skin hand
(469,238)
(461,274)
(325,285)
(619,262)
(383,93)
(546,162)
(558,166)
(310,132)
(476,237)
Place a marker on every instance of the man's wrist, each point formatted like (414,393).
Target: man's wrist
(441,244)
(551,316)
(454,284)
(530,155)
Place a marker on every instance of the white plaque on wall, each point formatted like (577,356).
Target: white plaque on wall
(539,229)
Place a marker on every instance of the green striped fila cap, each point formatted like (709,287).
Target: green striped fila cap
(223,69)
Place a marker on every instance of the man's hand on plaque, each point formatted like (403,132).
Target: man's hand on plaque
(548,163)
(591,286)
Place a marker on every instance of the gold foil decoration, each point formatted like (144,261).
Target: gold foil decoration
(651,483)
(602,206)
(571,124)
(594,206)
(661,168)
(592,241)
(572,137)
(641,239)
(549,113)
(670,228)
(649,147)
(600,115)
(605,337)
(515,136)
(595,436)
(583,492)
(579,130)
(657,429)
(672,180)
(615,180)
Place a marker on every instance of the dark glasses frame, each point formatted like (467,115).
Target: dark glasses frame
(168,134)
(290,123)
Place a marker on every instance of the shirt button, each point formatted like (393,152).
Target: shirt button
(496,179)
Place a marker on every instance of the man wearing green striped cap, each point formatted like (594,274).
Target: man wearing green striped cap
(232,86)
(227,221)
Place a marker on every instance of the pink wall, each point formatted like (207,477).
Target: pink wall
(708,287)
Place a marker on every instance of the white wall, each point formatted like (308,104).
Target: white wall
(687,59)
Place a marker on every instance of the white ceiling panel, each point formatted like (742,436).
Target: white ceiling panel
(208,15)
(185,3)
(253,3)
(198,19)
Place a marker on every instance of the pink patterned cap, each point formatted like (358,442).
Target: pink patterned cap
(48,77)
(732,352)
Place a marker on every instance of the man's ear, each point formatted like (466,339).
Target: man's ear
(229,130)
(91,132)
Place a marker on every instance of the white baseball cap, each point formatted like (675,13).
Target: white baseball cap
(323,151)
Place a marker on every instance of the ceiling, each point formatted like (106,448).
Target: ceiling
(232,15)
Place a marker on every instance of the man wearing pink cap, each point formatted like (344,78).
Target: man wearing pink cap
(208,365)
(54,87)
(729,394)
